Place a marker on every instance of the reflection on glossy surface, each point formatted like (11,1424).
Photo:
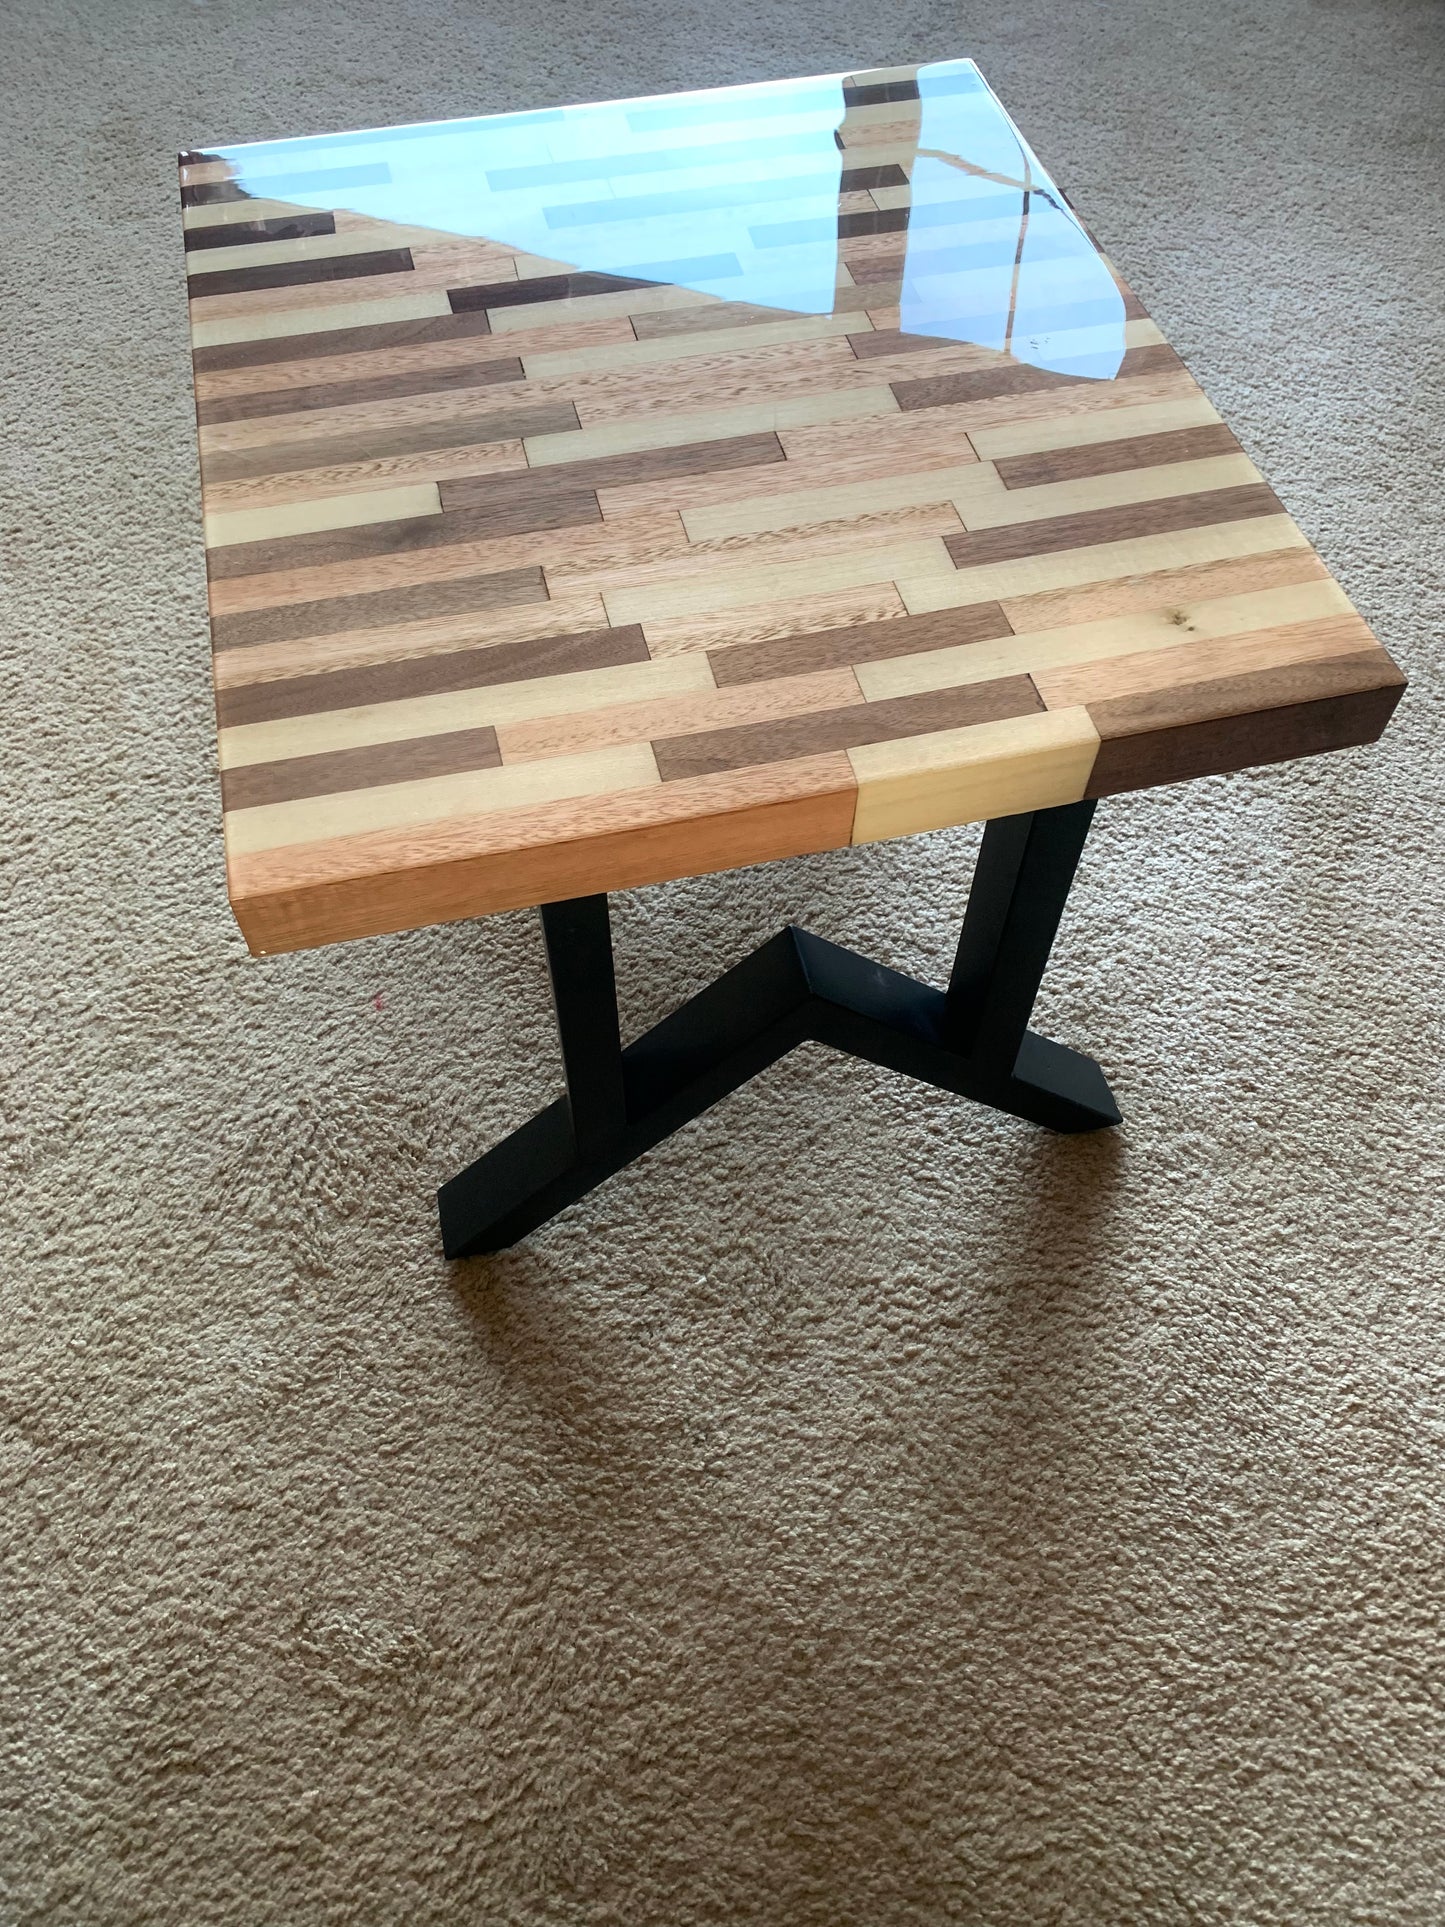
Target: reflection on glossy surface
(745,193)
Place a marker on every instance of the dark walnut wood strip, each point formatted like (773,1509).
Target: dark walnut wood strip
(706,752)
(855,179)
(347,394)
(541,287)
(1021,378)
(614,471)
(1093,526)
(1272,716)
(416,603)
(280,227)
(213,193)
(359,769)
(889,341)
(1108,458)
(522,503)
(863,642)
(374,445)
(287,274)
(875,93)
(338,341)
(389,682)
(883,220)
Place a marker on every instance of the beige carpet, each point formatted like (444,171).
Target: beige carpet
(867,1510)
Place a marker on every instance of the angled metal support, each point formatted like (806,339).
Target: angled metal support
(972,1038)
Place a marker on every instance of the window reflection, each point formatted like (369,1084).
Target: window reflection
(771,195)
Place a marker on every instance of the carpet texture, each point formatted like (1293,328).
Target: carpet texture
(868,1509)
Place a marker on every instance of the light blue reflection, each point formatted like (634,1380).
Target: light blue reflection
(749,204)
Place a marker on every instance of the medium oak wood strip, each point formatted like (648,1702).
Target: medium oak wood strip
(1213,728)
(1207,658)
(1106,458)
(299,486)
(740,587)
(757,449)
(292,325)
(989,505)
(389,682)
(377,444)
(773,620)
(1020,378)
(1123,523)
(267,404)
(970,775)
(706,425)
(677,715)
(858,643)
(292,621)
(1165,588)
(380,337)
(704,752)
(440,635)
(369,885)
(945,489)
(1056,430)
(355,769)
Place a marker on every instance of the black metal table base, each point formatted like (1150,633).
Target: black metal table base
(972,1038)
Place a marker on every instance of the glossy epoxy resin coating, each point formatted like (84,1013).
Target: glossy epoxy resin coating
(620,492)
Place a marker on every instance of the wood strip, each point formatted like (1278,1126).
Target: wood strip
(369,448)
(372,338)
(1108,457)
(294,324)
(739,588)
(704,752)
(1165,588)
(283,227)
(869,642)
(780,617)
(1209,656)
(328,513)
(677,715)
(945,489)
(759,448)
(439,635)
(369,885)
(1207,729)
(1057,429)
(389,682)
(1092,527)
(356,769)
(538,288)
(1020,378)
(286,274)
(707,425)
(291,621)
(266,404)
(1027,762)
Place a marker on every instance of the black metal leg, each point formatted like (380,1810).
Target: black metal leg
(973,1039)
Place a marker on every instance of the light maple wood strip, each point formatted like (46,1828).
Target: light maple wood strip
(776,620)
(958,487)
(1165,588)
(370,364)
(342,511)
(608,546)
(1067,568)
(1187,627)
(1212,658)
(856,537)
(368,885)
(392,471)
(417,306)
(920,783)
(1006,507)
(1080,431)
(916,561)
(676,715)
(661,351)
(436,635)
(708,425)
(571,694)
(950,426)
(433,799)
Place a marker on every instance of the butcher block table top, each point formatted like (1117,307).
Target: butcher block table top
(615,493)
